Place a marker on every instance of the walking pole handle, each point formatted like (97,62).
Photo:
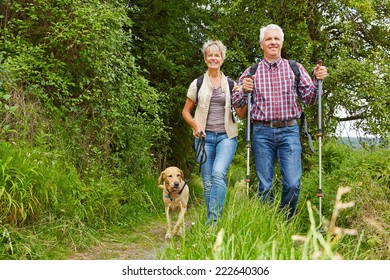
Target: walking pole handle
(248,116)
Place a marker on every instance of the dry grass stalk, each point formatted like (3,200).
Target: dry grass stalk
(335,232)
(218,245)
(314,241)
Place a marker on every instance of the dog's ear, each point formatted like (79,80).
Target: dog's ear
(162,177)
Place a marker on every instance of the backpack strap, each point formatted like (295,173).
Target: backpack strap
(297,74)
(231,84)
(306,132)
(199,83)
(303,126)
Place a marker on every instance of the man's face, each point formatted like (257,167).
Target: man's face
(272,44)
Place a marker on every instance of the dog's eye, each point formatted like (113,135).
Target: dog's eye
(170,176)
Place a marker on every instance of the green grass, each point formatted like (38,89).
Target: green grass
(238,236)
(355,225)
(49,211)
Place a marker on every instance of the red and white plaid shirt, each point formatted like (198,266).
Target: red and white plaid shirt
(274,96)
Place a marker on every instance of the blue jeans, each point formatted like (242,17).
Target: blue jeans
(220,151)
(284,144)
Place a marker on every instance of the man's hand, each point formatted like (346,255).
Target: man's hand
(247,84)
(320,72)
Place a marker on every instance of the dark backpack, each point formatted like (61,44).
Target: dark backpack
(199,83)
(297,74)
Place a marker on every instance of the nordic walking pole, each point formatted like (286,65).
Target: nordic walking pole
(248,140)
(319,194)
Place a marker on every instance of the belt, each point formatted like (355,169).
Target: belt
(276,124)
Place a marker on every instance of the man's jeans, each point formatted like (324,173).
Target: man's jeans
(284,144)
(220,151)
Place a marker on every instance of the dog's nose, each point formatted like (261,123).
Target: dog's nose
(176,184)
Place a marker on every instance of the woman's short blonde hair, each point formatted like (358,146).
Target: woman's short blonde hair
(214,45)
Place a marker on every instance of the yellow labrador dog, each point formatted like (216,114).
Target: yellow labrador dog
(175,196)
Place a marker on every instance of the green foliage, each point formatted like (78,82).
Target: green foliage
(19,178)
(72,99)
(367,174)
(351,37)
(45,203)
(167,41)
(355,34)
(75,59)
(91,95)
(362,93)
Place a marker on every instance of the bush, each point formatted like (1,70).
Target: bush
(74,60)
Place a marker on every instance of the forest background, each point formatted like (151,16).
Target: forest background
(91,94)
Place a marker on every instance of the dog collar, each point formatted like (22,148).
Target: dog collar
(169,196)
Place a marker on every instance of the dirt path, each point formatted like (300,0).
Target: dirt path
(146,242)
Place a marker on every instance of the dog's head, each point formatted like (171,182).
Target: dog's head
(172,177)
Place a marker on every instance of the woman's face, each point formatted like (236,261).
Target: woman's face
(213,59)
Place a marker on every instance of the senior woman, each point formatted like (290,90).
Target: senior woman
(214,121)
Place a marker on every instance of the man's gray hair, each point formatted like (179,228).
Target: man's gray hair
(271,27)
